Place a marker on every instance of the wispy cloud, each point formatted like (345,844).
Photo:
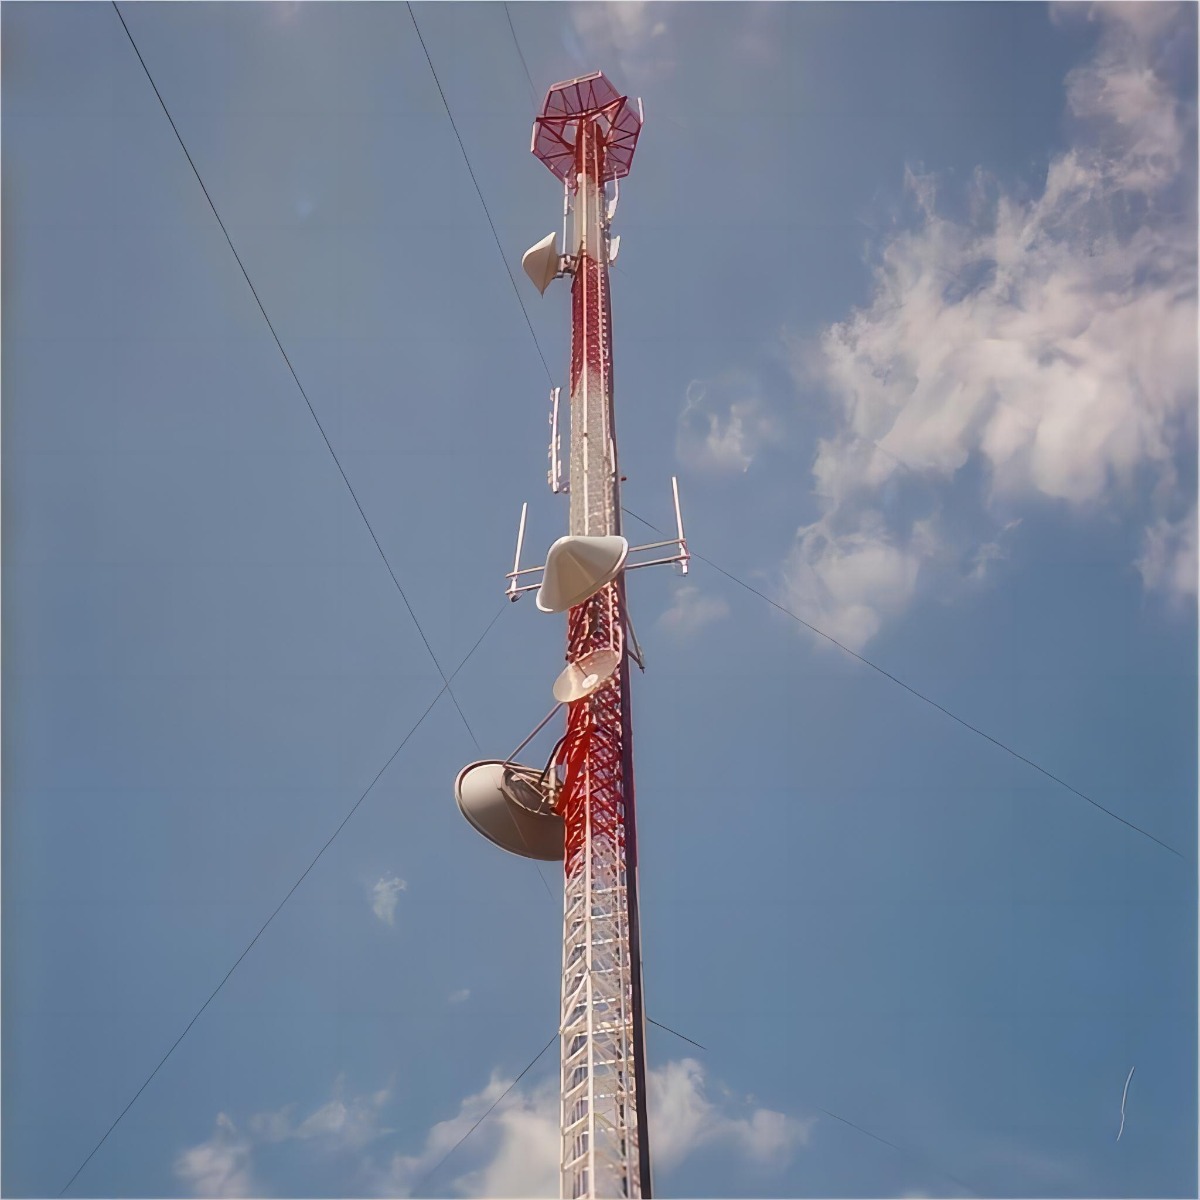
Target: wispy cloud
(220,1166)
(404,1172)
(514,1153)
(384,897)
(224,1164)
(346,1122)
(723,424)
(685,1118)
(633,35)
(691,610)
(1168,561)
(1047,343)
(460,996)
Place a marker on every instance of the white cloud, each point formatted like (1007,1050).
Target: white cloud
(344,1123)
(691,611)
(723,425)
(460,996)
(219,1166)
(1050,342)
(384,897)
(520,1141)
(223,1165)
(404,1172)
(847,585)
(514,1153)
(1168,561)
(523,1160)
(633,35)
(683,1119)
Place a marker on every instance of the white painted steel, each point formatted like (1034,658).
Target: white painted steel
(683,550)
(598,1094)
(554,475)
(593,466)
(512,586)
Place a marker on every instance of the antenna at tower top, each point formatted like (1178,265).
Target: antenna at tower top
(589,97)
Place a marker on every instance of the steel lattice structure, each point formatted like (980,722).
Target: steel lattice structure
(580,807)
(604,1151)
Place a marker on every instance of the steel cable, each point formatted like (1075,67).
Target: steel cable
(521,56)
(292,369)
(479,193)
(303,875)
(919,695)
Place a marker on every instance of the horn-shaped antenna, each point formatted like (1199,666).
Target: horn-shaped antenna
(578,567)
(540,262)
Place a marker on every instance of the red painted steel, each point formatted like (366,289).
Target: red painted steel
(589,297)
(567,104)
(593,753)
(593,750)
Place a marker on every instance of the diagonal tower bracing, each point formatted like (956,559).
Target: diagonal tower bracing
(586,135)
(580,807)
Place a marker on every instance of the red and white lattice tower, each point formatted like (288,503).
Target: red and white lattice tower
(586,135)
(579,808)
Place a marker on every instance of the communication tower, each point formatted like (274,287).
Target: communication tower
(580,807)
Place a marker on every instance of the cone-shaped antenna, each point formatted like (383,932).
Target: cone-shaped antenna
(510,806)
(586,676)
(540,262)
(578,567)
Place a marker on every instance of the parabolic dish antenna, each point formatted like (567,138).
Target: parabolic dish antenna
(510,806)
(586,676)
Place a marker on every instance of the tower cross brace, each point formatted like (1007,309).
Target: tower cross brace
(586,135)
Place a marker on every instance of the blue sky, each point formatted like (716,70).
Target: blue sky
(906,298)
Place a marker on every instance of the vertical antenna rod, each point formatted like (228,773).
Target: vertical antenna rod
(586,134)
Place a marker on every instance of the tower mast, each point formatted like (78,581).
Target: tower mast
(589,130)
(580,807)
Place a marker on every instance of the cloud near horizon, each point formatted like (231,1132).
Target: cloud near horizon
(521,1158)
(223,1165)
(515,1151)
